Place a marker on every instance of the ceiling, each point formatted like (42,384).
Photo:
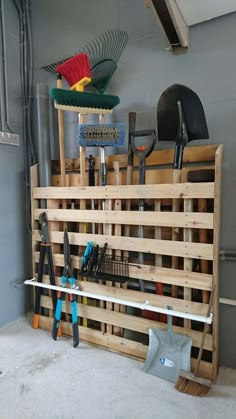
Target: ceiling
(196,11)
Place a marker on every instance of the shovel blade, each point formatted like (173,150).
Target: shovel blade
(168,114)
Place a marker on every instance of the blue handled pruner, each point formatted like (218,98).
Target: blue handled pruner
(67,276)
(86,256)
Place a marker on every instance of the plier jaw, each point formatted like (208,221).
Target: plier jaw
(43,221)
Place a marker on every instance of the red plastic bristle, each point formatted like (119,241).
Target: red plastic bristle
(75,69)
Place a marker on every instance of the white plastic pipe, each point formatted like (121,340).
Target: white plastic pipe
(143,306)
(228,301)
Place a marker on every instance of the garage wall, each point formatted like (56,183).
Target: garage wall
(15,259)
(145,70)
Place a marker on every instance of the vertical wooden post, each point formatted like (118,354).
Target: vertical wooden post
(216,249)
(117,330)
(175,231)
(188,262)
(61,138)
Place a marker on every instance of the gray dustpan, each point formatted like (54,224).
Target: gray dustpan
(168,353)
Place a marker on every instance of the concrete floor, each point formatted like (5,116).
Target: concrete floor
(44,379)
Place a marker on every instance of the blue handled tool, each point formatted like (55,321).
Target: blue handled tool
(86,256)
(67,276)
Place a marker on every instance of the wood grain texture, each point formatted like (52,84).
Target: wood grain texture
(151,218)
(193,154)
(183,190)
(216,248)
(151,246)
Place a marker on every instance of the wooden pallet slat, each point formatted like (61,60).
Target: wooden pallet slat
(152,246)
(157,158)
(181,190)
(152,218)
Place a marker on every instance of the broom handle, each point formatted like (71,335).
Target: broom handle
(61,138)
(205,329)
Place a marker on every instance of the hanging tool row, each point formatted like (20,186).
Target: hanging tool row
(92,260)
(67,276)
(94,264)
(103,267)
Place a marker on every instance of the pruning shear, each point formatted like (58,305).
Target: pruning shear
(67,276)
(45,250)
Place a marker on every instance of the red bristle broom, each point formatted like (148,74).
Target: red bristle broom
(76,71)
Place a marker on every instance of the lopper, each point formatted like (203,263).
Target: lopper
(67,276)
(45,248)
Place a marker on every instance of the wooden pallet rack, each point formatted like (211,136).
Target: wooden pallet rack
(114,326)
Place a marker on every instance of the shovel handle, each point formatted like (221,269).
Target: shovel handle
(142,152)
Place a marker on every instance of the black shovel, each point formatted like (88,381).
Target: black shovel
(142,153)
(180,118)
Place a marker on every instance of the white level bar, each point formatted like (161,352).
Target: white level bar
(143,306)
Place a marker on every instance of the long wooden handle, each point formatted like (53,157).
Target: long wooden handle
(61,139)
(204,265)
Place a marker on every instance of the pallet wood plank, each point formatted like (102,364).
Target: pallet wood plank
(163,247)
(151,218)
(153,176)
(162,191)
(158,157)
(216,248)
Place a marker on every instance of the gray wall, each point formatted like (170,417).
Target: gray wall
(14,244)
(144,71)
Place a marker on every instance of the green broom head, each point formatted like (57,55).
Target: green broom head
(84,99)
(101,135)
